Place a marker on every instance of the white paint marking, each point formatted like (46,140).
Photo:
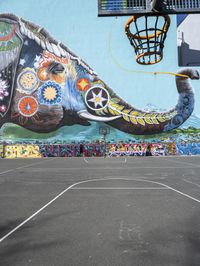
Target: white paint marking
(37,212)
(82,182)
(126,167)
(184,194)
(24,166)
(117,161)
(158,183)
(7,171)
(176,161)
(120,188)
(191,182)
(85,160)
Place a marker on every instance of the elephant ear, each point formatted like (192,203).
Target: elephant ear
(10,46)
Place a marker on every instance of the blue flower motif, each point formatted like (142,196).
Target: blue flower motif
(49,93)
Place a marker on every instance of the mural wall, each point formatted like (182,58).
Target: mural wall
(21,151)
(155,149)
(44,86)
(188,148)
(43,151)
(89,150)
(49,95)
(1,151)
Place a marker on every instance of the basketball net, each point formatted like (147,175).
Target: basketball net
(148,42)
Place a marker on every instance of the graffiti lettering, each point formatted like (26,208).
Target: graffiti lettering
(21,151)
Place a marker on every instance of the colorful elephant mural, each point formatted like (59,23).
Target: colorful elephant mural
(44,86)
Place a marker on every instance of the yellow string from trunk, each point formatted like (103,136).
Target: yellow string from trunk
(138,71)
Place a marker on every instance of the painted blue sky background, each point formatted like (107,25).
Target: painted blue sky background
(75,23)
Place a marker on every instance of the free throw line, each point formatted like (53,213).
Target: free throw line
(116,188)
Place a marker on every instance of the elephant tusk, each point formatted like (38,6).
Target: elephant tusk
(84,114)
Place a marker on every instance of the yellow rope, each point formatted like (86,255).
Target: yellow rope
(138,71)
(169,73)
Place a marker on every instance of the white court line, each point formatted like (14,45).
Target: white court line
(161,184)
(179,156)
(85,160)
(191,182)
(184,194)
(116,188)
(127,167)
(24,166)
(44,207)
(87,181)
(125,160)
(176,161)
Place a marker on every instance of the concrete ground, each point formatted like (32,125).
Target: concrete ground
(100,211)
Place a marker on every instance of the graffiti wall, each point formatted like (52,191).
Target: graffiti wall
(59,150)
(185,148)
(21,151)
(93,150)
(171,148)
(154,149)
(98,150)
(1,151)
(42,151)
(48,94)
(127,149)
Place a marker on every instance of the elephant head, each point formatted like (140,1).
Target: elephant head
(46,86)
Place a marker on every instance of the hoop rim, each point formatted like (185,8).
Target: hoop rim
(147,54)
(134,36)
(104,130)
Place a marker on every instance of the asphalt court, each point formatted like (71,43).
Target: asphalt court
(100,211)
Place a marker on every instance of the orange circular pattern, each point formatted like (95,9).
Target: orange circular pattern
(28,106)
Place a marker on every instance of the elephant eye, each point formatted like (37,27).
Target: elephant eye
(56,68)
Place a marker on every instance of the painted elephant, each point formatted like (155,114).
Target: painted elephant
(44,86)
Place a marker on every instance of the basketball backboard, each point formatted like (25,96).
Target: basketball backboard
(131,7)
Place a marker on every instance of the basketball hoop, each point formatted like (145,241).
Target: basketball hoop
(104,130)
(148,42)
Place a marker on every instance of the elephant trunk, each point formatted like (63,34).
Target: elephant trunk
(126,118)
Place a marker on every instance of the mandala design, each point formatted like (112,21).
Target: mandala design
(97,98)
(49,93)
(28,106)
(83,84)
(27,80)
(8,39)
